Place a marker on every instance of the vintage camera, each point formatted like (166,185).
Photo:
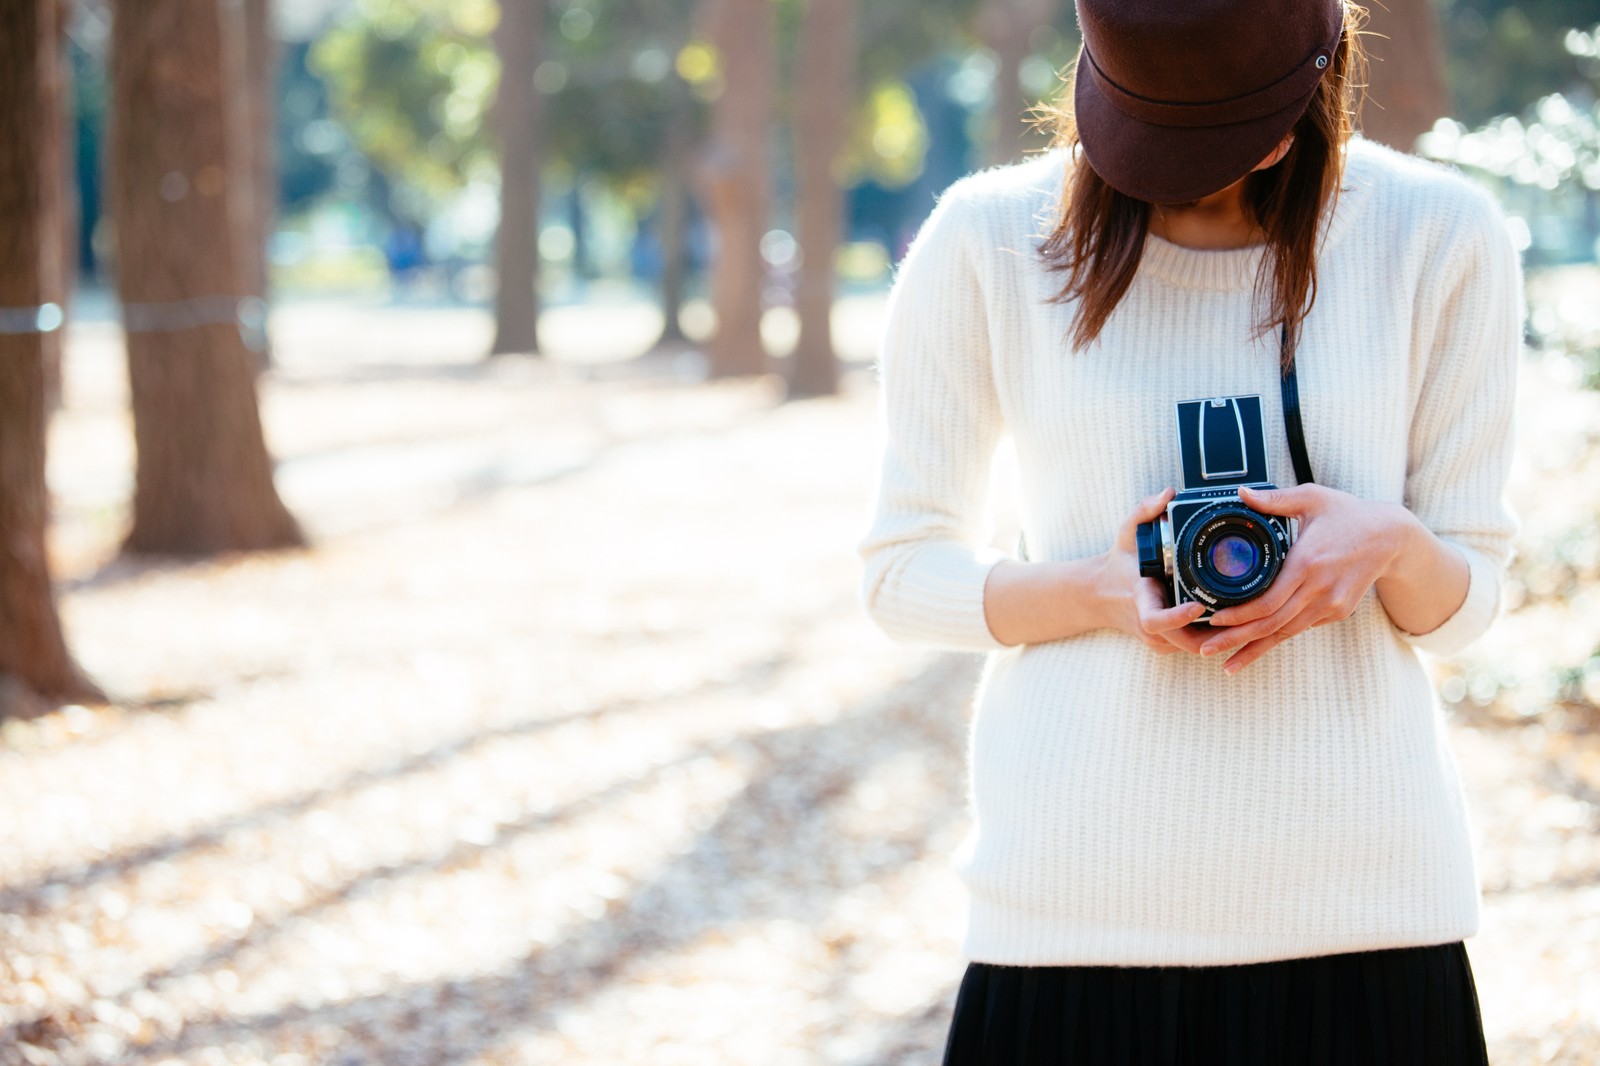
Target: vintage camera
(1214,548)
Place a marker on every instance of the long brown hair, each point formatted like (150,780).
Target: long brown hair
(1099,233)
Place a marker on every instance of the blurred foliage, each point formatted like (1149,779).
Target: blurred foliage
(1544,164)
(414,81)
(1553,143)
(313,151)
(389,104)
(612,88)
(1500,55)
(411,81)
(888,139)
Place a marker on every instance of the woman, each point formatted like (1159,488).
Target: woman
(1242,841)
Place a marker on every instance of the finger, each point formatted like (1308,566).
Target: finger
(1155,617)
(1283,587)
(1253,651)
(1235,637)
(1159,622)
(1295,500)
(1185,639)
(1170,618)
(1256,648)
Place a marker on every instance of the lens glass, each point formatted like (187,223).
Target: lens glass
(1233,556)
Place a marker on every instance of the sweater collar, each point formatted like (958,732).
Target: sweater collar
(1236,268)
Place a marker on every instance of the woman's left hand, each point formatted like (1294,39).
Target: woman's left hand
(1344,545)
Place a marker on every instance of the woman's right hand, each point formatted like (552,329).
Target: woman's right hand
(1136,604)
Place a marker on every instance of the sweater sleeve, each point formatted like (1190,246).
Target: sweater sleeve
(1461,433)
(925,563)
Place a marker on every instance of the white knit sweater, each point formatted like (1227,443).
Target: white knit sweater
(1136,809)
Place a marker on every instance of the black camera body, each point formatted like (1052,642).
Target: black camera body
(1213,548)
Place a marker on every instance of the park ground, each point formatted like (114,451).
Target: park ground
(567,740)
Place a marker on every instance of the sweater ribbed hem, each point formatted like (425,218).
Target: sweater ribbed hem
(1008,937)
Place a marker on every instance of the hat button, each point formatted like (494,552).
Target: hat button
(1322,62)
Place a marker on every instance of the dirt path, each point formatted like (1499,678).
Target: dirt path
(567,743)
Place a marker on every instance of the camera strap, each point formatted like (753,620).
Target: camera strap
(1291,426)
(1291,415)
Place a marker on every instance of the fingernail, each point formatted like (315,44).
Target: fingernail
(1206,649)
(1231,669)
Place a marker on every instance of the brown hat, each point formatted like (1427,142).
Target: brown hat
(1175,99)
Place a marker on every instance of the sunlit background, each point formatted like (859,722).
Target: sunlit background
(433,440)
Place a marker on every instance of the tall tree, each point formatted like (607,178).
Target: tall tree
(735,172)
(1406,90)
(518,39)
(182,206)
(32,648)
(824,86)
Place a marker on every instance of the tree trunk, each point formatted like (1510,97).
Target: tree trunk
(261,156)
(34,660)
(184,216)
(516,301)
(735,176)
(1406,93)
(825,82)
(671,221)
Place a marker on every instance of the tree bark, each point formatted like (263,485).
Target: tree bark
(1406,93)
(261,160)
(34,660)
(735,175)
(517,108)
(825,84)
(185,217)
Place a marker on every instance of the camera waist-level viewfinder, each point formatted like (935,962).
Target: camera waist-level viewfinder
(1211,546)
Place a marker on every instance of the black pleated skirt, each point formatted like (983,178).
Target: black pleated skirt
(1414,1006)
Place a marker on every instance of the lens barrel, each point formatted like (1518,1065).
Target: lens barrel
(1228,553)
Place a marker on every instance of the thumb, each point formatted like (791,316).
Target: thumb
(1295,500)
(1147,509)
(1152,506)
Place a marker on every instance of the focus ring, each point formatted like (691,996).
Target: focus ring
(1210,528)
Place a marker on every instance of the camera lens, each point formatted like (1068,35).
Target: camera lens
(1228,553)
(1234,556)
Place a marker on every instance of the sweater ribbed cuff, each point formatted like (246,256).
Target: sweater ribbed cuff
(937,598)
(1476,612)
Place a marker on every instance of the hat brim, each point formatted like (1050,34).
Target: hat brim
(1172,164)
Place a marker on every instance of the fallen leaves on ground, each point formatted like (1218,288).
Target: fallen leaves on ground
(567,742)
